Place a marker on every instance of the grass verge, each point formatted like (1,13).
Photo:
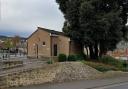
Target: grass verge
(100,66)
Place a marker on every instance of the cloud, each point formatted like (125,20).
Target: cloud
(25,15)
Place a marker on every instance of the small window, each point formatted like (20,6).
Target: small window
(44,43)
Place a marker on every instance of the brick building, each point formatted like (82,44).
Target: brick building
(45,43)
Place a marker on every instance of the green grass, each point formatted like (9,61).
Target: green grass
(104,67)
(111,61)
(100,66)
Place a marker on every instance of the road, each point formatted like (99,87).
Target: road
(111,83)
(125,86)
(117,86)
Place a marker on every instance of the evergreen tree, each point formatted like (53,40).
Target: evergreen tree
(97,24)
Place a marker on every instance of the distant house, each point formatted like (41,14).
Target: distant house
(45,43)
(121,51)
(22,46)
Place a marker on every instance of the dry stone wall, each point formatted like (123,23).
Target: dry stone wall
(28,77)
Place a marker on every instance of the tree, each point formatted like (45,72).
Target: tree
(66,28)
(124,15)
(16,41)
(70,9)
(101,23)
(8,44)
(97,24)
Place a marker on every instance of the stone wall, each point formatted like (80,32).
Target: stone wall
(28,77)
(8,64)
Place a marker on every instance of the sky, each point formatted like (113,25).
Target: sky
(22,17)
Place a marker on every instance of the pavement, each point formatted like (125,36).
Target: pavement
(108,83)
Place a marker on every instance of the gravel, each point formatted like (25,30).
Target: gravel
(69,71)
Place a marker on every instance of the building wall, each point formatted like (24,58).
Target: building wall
(55,40)
(41,37)
(75,48)
(120,51)
(64,45)
(37,39)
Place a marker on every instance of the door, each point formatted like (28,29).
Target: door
(55,49)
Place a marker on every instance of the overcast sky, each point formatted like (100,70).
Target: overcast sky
(22,17)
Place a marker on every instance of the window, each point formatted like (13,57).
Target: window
(44,43)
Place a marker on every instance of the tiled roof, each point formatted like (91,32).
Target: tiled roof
(52,31)
(48,30)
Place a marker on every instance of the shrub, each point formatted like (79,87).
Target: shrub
(50,62)
(79,57)
(62,57)
(125,66)
(111,61)
(72,58)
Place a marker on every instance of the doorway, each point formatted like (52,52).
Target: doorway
(55,49)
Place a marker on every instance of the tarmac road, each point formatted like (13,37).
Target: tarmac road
(118,86)
(111,83)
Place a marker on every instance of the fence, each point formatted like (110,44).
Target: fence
(5,56)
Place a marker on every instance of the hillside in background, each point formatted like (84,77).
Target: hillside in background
(3,37)
(6,37)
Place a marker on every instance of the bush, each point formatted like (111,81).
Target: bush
(50,62)
(80,57)
(71,58)
(62,57)
(111,61)
(77,57)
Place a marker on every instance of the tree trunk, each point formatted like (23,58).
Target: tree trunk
(87,52)
(103,49)
(96,51)
(92,56)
